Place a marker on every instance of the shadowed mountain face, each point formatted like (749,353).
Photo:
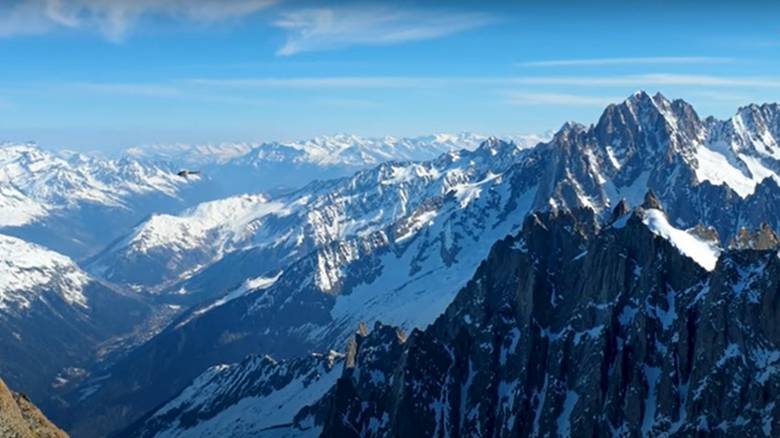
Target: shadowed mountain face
(395,244)
(568,330)
(54,317)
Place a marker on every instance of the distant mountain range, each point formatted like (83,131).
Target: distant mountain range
(276,167)
(77,204)
(337,150)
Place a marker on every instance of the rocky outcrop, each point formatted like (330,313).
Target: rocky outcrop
(19,418)
(763,238)
(569,329)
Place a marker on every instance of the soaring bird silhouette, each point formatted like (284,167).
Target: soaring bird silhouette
(186,173)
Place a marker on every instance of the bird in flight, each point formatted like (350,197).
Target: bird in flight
(187,173)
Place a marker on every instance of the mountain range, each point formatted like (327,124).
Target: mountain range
(277,167)
(77,204)
(672,348)
(628,244)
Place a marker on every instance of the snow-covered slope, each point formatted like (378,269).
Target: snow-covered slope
(66,200)
(279,231)
(53,316)
(167,247)
(26,268)
(702,252)
(53,182)
(243,399)
(741,151)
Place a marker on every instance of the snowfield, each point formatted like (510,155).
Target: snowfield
(25,268)
(703,253)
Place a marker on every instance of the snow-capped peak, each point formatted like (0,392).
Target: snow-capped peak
(324,150)
(34,182)
(227,218)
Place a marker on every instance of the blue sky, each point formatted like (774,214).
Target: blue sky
(98,74)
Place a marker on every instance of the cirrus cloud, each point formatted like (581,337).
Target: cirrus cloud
(648,60)
(114,18)
(561,99)
(334,28)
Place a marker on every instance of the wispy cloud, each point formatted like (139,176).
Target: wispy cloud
(336,102)
(137,89)
(114,18)
(638,81)
(321,82)
(520,90)
(166,91)
(330,28)
(658,60)
(723,96)
(559,99)
(647,80)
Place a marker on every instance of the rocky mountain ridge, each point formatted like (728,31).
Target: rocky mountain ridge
(462,203)
(675,349)
(629,295)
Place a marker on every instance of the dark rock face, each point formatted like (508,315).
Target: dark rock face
(651,201)
(568,330)
(49,343)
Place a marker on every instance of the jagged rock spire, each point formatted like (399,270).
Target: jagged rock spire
(362,329)
(620,210)
(351,348)
(651,201)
